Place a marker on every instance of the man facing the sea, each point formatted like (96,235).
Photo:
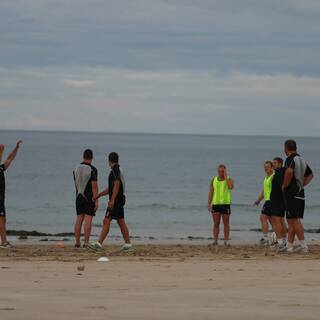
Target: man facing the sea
(86,182)
(3,167)
(115,210)
(297,176)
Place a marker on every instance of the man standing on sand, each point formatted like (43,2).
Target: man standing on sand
(265,216)
(277,204)
(115,210)
(219,202)
(298,175)
(3,167)
(86,182)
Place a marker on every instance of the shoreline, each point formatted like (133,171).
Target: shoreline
(67,253)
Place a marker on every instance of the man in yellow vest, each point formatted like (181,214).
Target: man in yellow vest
(265,217)
(219,202)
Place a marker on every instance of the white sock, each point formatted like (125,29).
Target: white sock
(289,245)
(265,237)
(303,244)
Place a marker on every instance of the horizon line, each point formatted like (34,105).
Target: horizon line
(157,133)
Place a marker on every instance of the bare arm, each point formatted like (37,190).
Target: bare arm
(12,155)
(102,194)
(307,179)
(210,195)
(2,147)
(287,178)
(260,198)
(229,181)
(95,190)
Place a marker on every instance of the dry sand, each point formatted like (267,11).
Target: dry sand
(159,282)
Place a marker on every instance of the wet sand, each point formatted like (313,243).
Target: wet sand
(158,282)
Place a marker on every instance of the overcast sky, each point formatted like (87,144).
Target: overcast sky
(173,66)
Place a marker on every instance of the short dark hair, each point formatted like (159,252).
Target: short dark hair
(268,162)
(88,154)
(113,157)
(278,159)
(291,145)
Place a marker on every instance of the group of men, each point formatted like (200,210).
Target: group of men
(283,193)
(284,196)
(87,201)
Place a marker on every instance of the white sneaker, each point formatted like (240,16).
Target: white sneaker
(300,248)
(127,247)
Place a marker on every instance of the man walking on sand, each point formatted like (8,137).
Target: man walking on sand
(277,204)
(219,203)
(86,182)
(115,210)
(3,167)
(297,176)
(265,216)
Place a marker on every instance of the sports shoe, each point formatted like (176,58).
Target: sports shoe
(282,248)
(127,247)
(263,242)
(215,243)
(6,245)
(96,247)
(227,244)
(77,246)
(300,248)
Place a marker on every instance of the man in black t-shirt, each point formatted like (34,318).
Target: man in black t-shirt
(85,177)
(277,203)
(3,167)
(298,175)
(115,210)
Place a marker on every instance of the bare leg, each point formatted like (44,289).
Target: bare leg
(299,230)
(291,231)
(77,228)
(226,223)
(105,230)
(124,230)
(216,225)
(87,228)
(264,219)
(284,227)
(3,231)
(277,227)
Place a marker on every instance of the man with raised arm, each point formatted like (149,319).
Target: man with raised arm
(297,176)
(115,210)
(3,167)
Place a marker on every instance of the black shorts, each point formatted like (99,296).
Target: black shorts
(294,208)
(116,213)
(85,207)
(2,209)
(277,209)
(267,209)
(221,208)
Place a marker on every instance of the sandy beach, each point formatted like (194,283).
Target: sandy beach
(158,282)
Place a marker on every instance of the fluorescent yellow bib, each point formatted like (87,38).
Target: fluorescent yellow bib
(221,192)
(267,187)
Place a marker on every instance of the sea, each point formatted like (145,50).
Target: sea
(167,182)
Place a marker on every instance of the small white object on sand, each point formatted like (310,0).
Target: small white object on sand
(103,259)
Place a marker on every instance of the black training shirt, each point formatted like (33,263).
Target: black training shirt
(277,182)
(115,175)
(292,162)
(94,177)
